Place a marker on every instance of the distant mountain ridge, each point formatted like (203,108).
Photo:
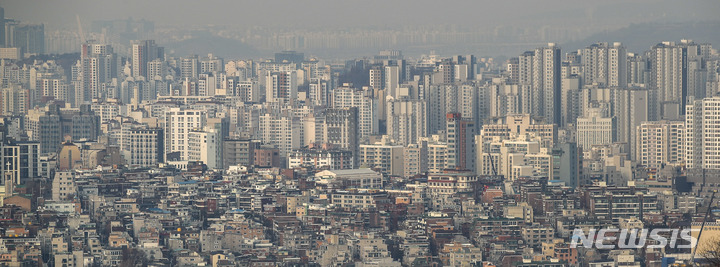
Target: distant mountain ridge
(203,43)
(640,37)
(636,37)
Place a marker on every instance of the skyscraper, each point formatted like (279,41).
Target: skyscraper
(596,128)
(701,138)
(143,52)
(669,76)
(281,86)
(406,120)
(546,82)
(461,146)
(632,106)
(605,65)
(98,65)
(660,142)
(178,125)
(30,38)
(341,129)
(346,96)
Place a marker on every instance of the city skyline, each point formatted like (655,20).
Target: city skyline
(346,133)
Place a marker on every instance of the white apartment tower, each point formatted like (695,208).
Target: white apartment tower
(406,120)
(605,64)
(281,131)
(143,147)
(546,82)
(597,128)
(702,134)
(142,52)
(539,74)
(98,65)
(281,86)
(206,145)
(660,142)
(669,75)
(346,97)
(56,88)
(384,156)
(178,125)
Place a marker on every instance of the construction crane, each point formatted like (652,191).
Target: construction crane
(707,213)
(80,31)
(492,164)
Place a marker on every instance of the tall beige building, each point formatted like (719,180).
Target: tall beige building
(347,96)
(415,158)
(517,124)
(596,128)
(406,120)
(605,64)
(206,145)
(660,142)
(383,156)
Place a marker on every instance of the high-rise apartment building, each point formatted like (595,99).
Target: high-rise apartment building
(605,65)
(377,77)
(539,74)
(632,106)
(52,125)
(189,67)
(383,156)
(15,100)
(206,145)
(461,143)
(515,125)
(98,65)
(415,157)
(281,131)
(29,38)
(660,142)
(669,76)
(346,96)
(143,146)
(239,152)
(341,129)
(547,83)
(178,123)
(281,86)
(142,52)
(596,128)
(702,138)
(55,88)
(211,63)
(406,120)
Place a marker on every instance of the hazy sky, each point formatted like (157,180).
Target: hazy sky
(314,13)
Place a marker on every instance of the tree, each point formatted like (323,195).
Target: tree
(133,257)
(710,253)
